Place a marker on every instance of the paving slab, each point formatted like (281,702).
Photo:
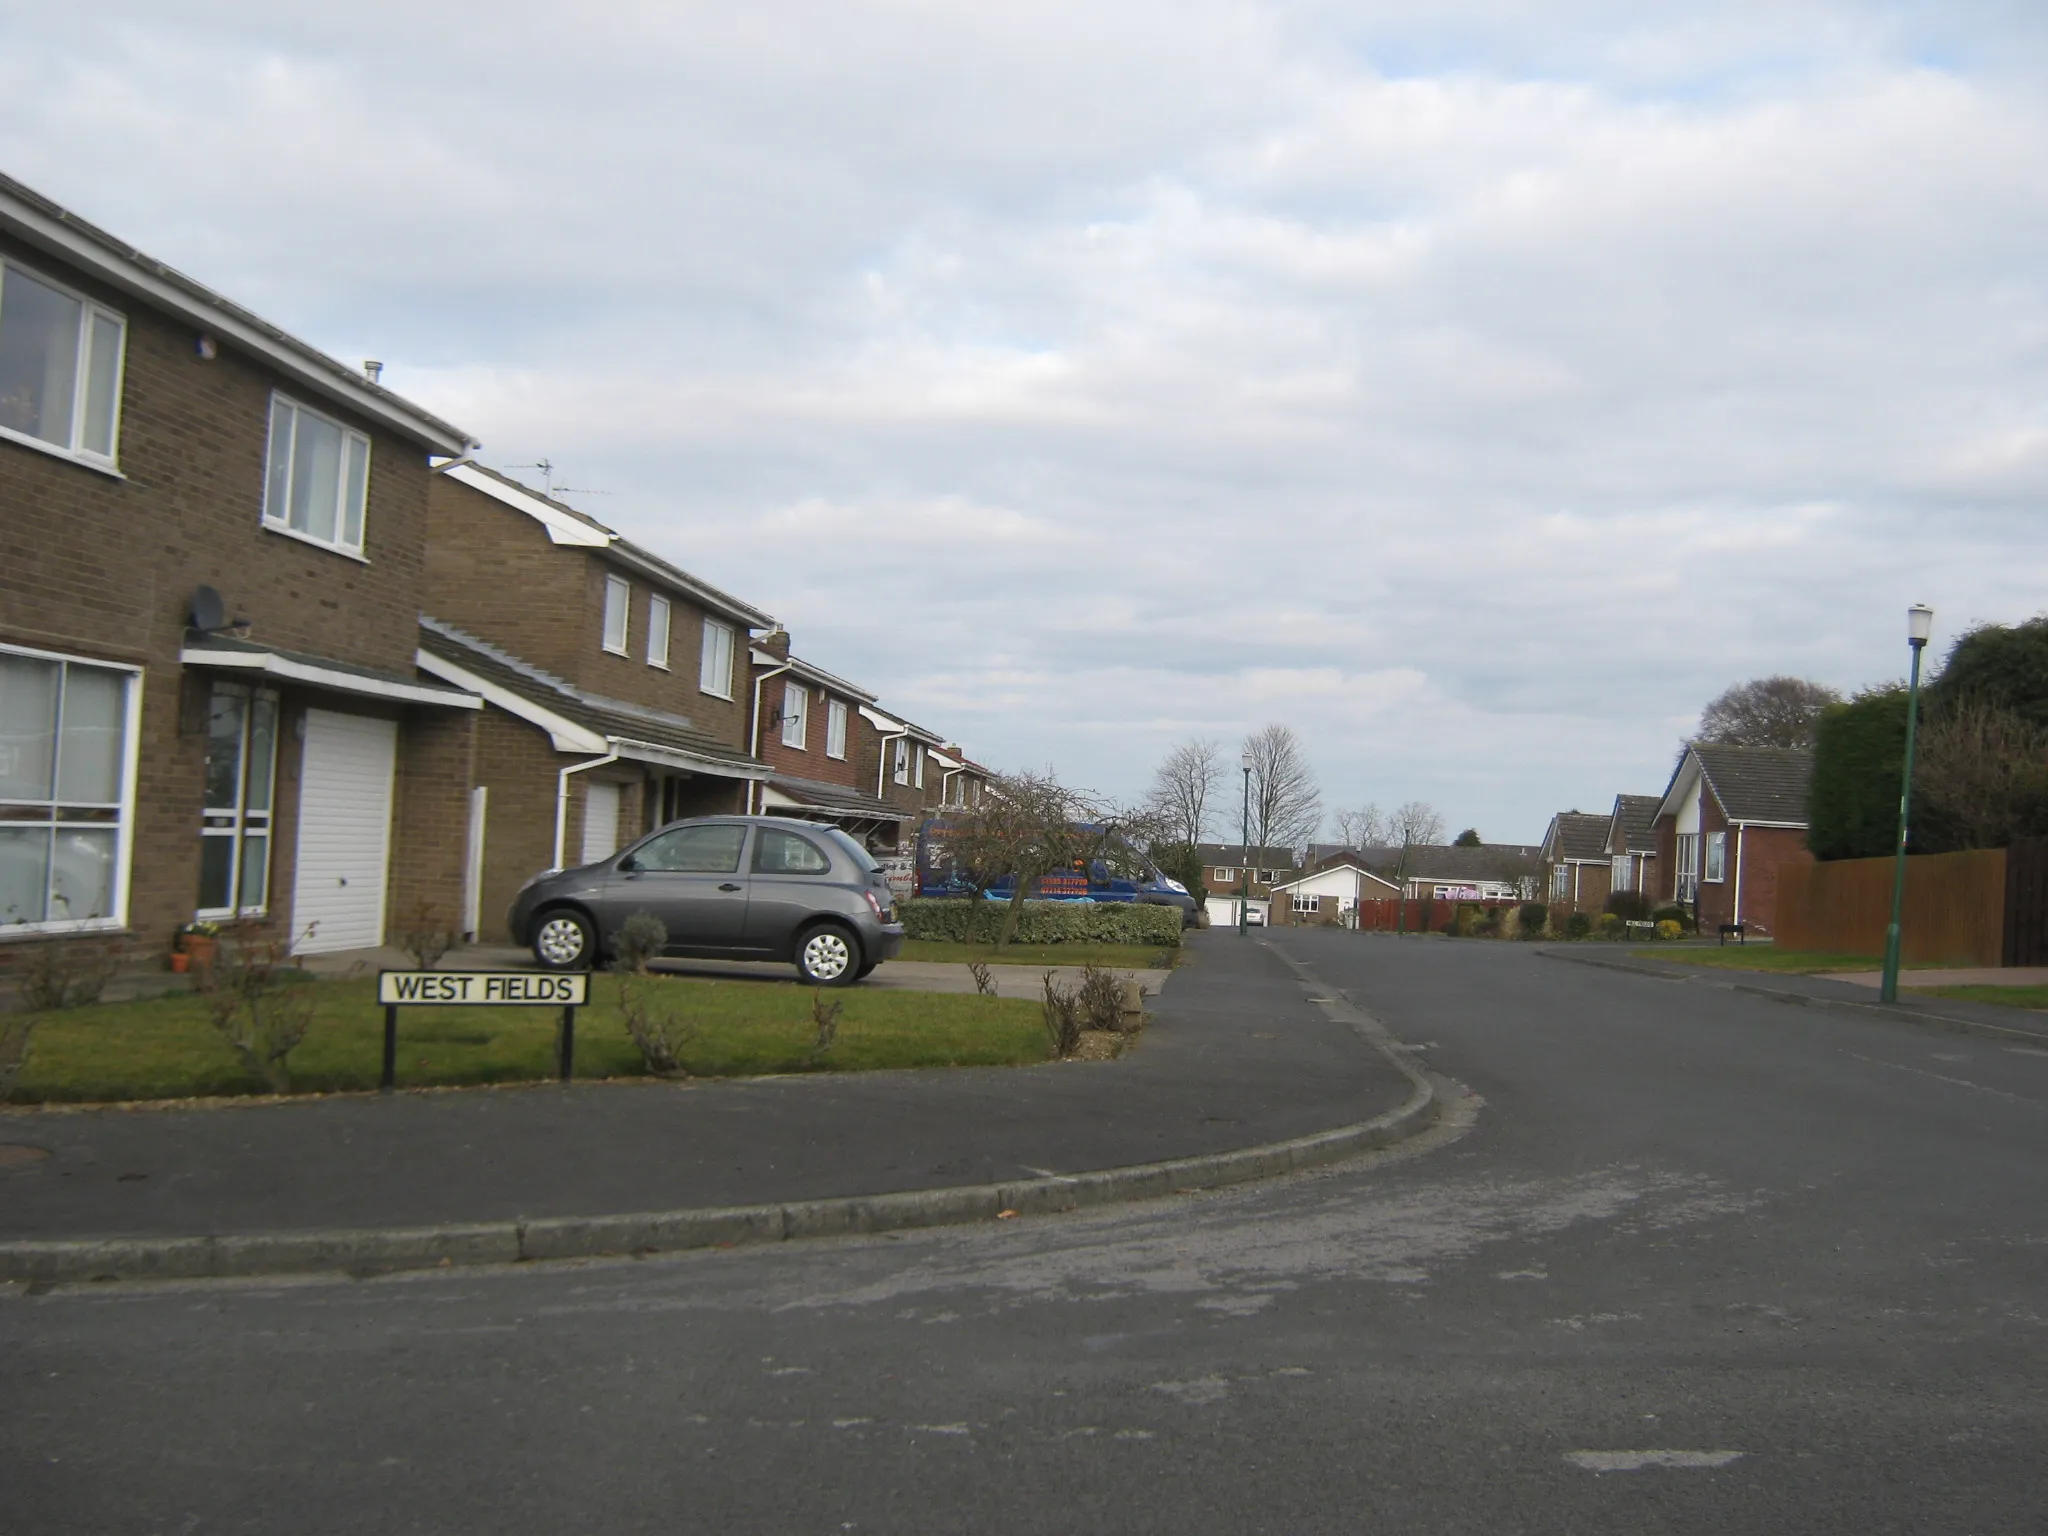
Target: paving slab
(1236,1056)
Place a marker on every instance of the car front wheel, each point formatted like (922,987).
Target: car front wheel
(564,940)
(828,956)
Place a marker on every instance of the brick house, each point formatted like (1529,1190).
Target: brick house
(900,759)
(1576,869)
(1234,873)
(805,726)
(212,559)
(1632,843)
(1728,820)
(615,684)
(1329,894)
(1446,872)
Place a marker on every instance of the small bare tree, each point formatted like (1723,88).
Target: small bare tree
(1365,827)
(1980,777)
(661,1037)
(262,1005)
(1416,821)
(1766,712)
(1181,790)
(1287,806)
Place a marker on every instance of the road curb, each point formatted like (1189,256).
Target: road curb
(1898,1013)
(382,1250)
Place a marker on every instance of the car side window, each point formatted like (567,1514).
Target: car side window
(713,850)
(784,853)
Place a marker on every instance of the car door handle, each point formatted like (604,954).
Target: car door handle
(729,886)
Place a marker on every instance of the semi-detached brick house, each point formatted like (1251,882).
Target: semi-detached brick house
(806,726)
(276,758)
(1234,873)
(901,760)
(1730,818)
(616,684)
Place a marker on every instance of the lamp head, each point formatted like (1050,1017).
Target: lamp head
(1919,624)
(1244,761)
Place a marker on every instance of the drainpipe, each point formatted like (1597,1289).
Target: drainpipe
(754,786)
(1740,828)
(562,800)
(882,762)
(946,776)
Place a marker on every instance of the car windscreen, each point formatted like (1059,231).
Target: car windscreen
(862,859)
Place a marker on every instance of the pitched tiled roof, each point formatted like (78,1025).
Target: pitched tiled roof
(1758,783)
(1575,835)
(1638,815)
(608,717)
(1231,855)
(1437,861)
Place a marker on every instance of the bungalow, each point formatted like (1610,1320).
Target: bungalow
(1574,852)
(1632,843)
(1447,872)
(1329,894)
(1757,794)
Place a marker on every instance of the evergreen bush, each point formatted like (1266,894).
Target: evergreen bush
(1042,922)
(1859,752)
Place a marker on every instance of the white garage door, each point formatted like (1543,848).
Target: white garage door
(344,831)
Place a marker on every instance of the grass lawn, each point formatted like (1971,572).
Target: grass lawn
(167,1048)
(1763,957)
(1128,957)
(2011,997)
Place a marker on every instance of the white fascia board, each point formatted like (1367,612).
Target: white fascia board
(561,527)
(883,723)
(284,668)
(565,734)
(301,363)
(673,757)
(1787,826)
(1681,781)
(945,762)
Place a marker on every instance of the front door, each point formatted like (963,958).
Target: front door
(691,878)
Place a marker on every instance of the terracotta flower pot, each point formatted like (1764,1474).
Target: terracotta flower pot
(199,948)
(180,961)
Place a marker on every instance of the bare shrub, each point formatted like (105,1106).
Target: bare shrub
(640,938)
(66,974)
(1062,1016)
(660,1037)
(262,1005)
(984,978)
(1100,998)
(424,936)
(15,1030)
(825,1019)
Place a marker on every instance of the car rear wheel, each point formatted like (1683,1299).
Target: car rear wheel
(828,956)
(564,940)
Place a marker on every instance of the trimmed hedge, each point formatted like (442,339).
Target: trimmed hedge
(1859,749)
(1042,922)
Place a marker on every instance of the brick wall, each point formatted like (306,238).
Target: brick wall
(1765,851)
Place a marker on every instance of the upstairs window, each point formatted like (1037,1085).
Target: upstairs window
(618,607)
(714,667)
(902,770)
(918,758)
(657,631)
(60,367)
(794,698)
(318,477)
(835,729)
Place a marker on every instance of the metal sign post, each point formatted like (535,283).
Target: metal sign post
(567,990)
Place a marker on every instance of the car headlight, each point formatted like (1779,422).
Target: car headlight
(1175,885)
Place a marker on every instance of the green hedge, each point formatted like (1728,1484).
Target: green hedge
(1859,749)
(1042,922)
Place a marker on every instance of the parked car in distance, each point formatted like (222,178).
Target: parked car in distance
(726,888)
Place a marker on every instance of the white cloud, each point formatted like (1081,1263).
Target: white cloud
(1479,388)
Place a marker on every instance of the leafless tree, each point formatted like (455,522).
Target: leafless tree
(1980,777)
(1417,821)
(1287,807)
(1365,827)
(1766,712)
(1181,788)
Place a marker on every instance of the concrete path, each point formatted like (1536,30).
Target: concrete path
(1239,1059)
(1964,976)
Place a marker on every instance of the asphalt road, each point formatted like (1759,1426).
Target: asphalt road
(1697,1262)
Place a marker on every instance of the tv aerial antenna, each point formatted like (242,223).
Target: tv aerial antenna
(547,480)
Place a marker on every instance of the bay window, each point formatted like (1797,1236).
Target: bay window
(67,790)
(60,367)
(316,481)
(241,780)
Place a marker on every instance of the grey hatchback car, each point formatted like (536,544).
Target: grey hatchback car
(726,888)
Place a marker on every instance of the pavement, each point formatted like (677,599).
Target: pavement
(1235,1057)
(1957,976)
(1702,1262)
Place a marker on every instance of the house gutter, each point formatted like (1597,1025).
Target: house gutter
(562,800)
(754,738)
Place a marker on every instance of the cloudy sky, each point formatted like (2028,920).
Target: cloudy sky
(1478,394)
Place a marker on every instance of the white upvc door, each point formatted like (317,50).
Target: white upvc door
(344,857)
(600,821)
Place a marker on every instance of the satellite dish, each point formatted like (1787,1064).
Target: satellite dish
(209,613)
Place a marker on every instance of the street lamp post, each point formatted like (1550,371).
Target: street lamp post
(1919,625)
(1244,900)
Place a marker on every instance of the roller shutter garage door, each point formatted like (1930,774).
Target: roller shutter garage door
(345,779)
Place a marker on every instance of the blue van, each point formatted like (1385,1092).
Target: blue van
(1122,873)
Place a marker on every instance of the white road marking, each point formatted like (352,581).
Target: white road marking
(938,1429)
(1960,1082)
(1636,1461)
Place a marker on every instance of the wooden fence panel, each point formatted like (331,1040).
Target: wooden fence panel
(1955,910)
(2026,904)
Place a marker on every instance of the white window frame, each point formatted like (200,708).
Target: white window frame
(618,615)
(1686,884)
(1306,905)
(1716,870)
(90,309)
(1224,875)
(278,520)
(917,760)
(237,824)
(1623,869)
(796,699)
(124,833)
(901,771)
(718,641)
(660,617)
(836,715)
(1560,880)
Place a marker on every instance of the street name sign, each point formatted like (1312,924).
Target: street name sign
(416,989)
